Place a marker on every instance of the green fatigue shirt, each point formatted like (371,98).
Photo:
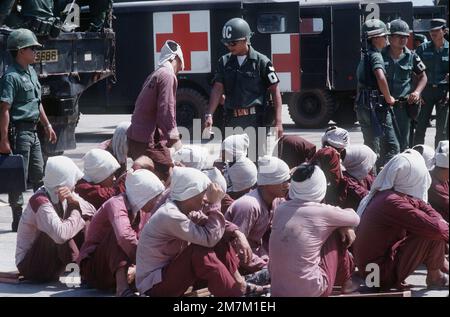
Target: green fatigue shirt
(42,9)
(21,89)
(399,73)
(436,62)
(375,62)
(246,85)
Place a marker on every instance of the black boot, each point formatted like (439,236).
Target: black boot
(17,213)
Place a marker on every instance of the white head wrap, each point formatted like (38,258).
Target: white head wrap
(242,175)
(141,186)
(312,189)
(336,137)
(99,165)
(191,156)
(359,160)
(427,153)
(216,176)
(119,142)
(442,154)
(272,171)
(235,147)
(168,54)
(187,182)
(405,173)
(60,171)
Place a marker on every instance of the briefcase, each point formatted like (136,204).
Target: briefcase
(12,174)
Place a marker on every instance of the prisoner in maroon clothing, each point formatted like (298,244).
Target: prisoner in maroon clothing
(97,194)
(399,233)
(438,194)
(329,160)
(294,150)
(354,190)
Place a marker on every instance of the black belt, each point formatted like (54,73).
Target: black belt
(25,125)
(240,112)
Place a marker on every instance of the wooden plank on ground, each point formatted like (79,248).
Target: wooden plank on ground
(384,294)
(10,277)
(203,292)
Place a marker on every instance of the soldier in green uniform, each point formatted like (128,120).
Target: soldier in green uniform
(373,94)
(434,55)
(246,78)
(419,39)
(401,64)
(20,112)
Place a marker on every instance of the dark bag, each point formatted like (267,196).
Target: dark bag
(12,174)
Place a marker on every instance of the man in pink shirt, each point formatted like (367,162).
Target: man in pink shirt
(357,179)
(307,255)
(154,117)
(253,212)
(52,227)
(111,243)
(180,246)
(399,230)
(97,184)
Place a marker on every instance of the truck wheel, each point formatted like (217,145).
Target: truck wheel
(311,108)
(190,105)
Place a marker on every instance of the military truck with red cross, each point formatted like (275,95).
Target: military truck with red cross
(315,49)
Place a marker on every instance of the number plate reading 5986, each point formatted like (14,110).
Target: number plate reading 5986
(47,56)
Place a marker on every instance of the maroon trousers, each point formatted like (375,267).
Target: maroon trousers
(336,262)
(47,260)
(99,269)
(197,263)
(406,255)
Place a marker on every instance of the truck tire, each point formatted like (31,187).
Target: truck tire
(190,105)
(311,108)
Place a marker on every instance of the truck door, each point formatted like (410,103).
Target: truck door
(275,27)
(346,46)
(315,46)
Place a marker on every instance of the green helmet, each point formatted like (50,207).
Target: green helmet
(399,27)
(420,37)
(236,29)
(21,38)
(373,28)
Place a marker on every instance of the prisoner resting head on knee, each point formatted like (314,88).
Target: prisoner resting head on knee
(142,189)
(359,160)
(241,177)
(60,171)
(405,173)
(191,156)
(427,153)
(99,167)
(235,147)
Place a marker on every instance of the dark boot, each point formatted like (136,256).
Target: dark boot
(17,213)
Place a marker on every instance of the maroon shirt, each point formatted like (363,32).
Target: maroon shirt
(389,218)
(329,160)
(96,194)
(354,190)
(155,108)
(295,150)
(438,196)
